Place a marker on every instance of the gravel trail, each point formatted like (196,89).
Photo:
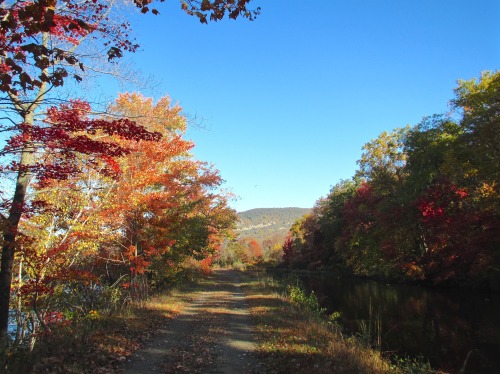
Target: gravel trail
(212,334)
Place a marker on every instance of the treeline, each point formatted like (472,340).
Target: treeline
(423,205)
(240,252)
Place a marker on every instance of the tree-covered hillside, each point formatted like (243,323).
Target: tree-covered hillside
(264,223)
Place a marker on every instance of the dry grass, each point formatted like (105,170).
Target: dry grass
(101,344)
(293,340)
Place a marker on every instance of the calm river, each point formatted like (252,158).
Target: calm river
(441,325)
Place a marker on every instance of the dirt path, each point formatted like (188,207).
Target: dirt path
(212,334)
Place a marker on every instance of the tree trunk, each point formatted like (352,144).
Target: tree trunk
(9,238)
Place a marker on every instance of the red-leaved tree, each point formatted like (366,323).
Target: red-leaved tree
(65,133)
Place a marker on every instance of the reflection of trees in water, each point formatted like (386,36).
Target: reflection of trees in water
(442,325)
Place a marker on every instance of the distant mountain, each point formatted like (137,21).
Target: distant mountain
(266,223)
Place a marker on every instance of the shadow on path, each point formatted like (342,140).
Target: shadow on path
(212,334)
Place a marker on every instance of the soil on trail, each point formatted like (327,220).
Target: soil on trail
(212,334)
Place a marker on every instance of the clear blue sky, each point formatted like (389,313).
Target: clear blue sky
(287,101)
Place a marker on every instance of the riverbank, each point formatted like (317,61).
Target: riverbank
(295,335)
(447,327)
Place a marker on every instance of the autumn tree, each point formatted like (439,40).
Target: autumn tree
(295,250)
(39,42)
(231,252)
(42,46)
(432,151)
(271,248)
(166,203)
(288,249)
(66,133)
(383,155)
(329,214)
(478,153)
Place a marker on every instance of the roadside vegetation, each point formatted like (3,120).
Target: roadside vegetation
(102,340)
(295,334)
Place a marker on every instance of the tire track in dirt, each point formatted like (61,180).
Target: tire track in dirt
(212,334)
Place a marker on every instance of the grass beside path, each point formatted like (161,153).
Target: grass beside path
(292,339)
(102,345)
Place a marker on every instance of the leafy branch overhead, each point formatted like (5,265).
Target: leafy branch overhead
(67,132)
(207,10)
(26,26)
(36,36)
(216,10)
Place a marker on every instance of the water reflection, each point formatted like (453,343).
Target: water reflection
(441,325)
